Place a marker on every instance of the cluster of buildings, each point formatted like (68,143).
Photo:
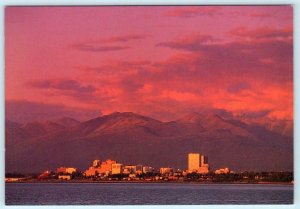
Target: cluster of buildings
(223,171)
(65,173)
(112,167)
(197,163)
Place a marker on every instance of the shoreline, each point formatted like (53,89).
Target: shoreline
(149,182)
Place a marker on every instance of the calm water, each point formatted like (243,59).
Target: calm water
(144,193)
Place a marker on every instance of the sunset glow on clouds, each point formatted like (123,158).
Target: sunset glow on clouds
(163,62)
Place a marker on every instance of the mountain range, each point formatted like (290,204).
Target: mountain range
(131,138)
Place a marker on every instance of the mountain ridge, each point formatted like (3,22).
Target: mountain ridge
(132,138)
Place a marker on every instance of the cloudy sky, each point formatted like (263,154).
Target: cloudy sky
(158,61)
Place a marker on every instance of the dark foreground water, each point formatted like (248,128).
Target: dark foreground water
(144,193)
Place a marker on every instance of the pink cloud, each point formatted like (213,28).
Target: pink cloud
(264,34)
(240,57)
(93,48)
(175,61)
(122,38)
(105,44)
(187,12)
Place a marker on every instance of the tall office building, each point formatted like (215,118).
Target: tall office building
(193,162)
(204,160)
(204,167)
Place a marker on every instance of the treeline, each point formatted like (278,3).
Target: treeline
(253,177)
(244,177)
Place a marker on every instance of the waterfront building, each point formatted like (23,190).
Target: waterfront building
(147,169)
(139,169)
(104,168)
(64,177)
(66,170)
(130,169)
(106,165)
(198,163)
(222,171)
(166,170)
(14,179)
(117,168)
(193,162)
(204,160)
(203,169)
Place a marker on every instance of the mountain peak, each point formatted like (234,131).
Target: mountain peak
(116,120)
(195,117)
(191,118)
(67,121)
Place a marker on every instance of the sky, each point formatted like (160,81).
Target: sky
(159,61)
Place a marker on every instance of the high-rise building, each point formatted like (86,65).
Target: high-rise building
(198,163)
(193,162)
(204,167)
(203,160)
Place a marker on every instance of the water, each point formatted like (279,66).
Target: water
(144,193)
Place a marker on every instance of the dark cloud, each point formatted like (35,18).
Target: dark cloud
(259,59)
(263,34)
(122,38)
(25,111)
(95,48)
(238,87)
(105,44)
(69,85)
(255,114)
(192,43)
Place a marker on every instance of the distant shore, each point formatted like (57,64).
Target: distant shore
(145,181)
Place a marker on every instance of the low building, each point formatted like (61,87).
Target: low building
(166,170)
(203,170)
(66,170)
(222,171)
(147,169)
(64,177)
(14,179)
(46,174)
(117,168)
(130,169)
(139,169)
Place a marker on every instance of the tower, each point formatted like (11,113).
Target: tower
(193,162)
